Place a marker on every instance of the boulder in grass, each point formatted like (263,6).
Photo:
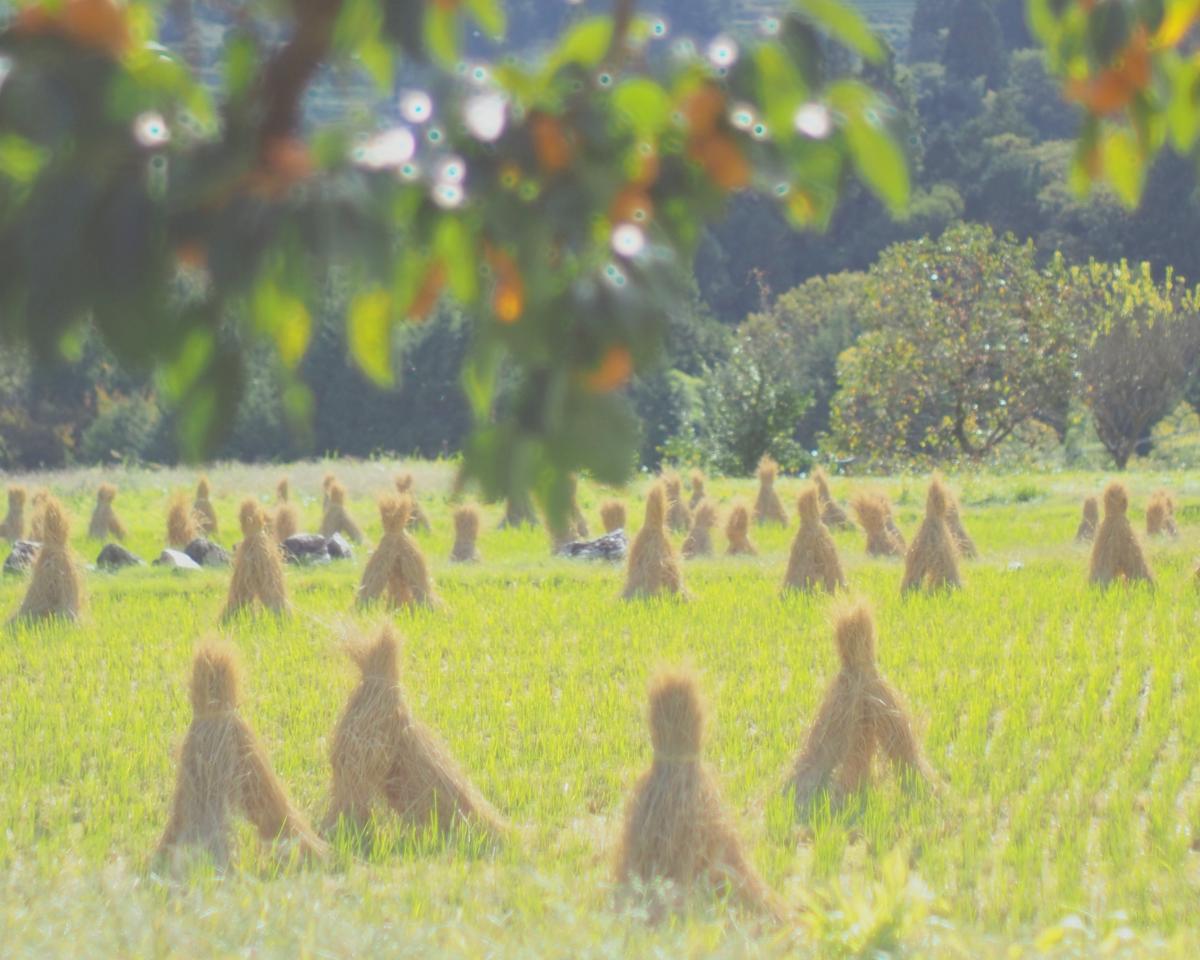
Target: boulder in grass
(339,548)
(24,552)
(206,553)
(116,557)
(176,560)
(306,548)
(612,547)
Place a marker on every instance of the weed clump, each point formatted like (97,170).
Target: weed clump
(224,770)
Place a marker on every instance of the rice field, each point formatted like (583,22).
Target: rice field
(1062,722)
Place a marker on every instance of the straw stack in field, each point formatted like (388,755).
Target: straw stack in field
(699,539)
(104,522)
(932,558)
(813,563)
(653,564)
(1116,553)
(337,518)
(396,571)
(737,533)
(56,588)
(13,527)
(257,566)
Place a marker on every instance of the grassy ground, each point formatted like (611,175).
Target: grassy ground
(1063,723)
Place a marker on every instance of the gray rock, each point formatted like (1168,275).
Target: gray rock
(176,560)
(339,548)
(612,547)
(116,557)
(24,552)
(206,553)
(306,548)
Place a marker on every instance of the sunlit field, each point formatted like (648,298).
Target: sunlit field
(1063,723)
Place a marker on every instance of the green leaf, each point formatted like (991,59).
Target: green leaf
(20,159)
(455,246)
(377,60)
(876,156)
(442,33)
(284,318)
(645,105)
(781,88)
(369,329)
(489,14)
(585,44)
(1124,165)
(846,25)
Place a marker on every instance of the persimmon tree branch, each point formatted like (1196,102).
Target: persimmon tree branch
(292,69)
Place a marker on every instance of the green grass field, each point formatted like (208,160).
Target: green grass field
(1063,723)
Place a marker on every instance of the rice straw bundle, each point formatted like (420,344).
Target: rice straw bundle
(466,531)
(283,491)
(874,515)
(962,539)
(181,522)
(1117,554)
(1086,532)
(257,566)
(832,515)
(813,562)
(737,532)
(206,516)
(679,517)
(612,515)
(861,715)
(56,587)
(697,490)
(397,571)
(768,508)
(285,522)
(337,519)
(699,539)
(104,521)
(13,527)
(932,558)
(327,483)
(653,565)
(404,487)
(36,531)
(224,770)
(380,750)
(676,827)
(1160,515)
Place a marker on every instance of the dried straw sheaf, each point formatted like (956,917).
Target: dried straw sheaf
(285,522)
(224,770)
(679,517)
(861,715)
(676,827)
(1160,515)
(257,566)
(874,515)
(699,539)
(56,588)
(962,539)
(13,527)
(105,522)
(612,515)
(1086,531)
(397,571)
(737,533)
(1117,554)
(327,483)
(653,564)
(698,493)
(832,515)
(768,508)
(813,563)
(181,522)
(206,516)
(283,491)
(37,531)
(404,487)
(380,750)
(466,532)
(337,519)
(932,558)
